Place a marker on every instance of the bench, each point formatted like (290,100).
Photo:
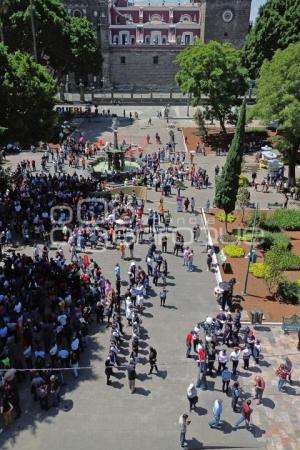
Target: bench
(275,205)
(290,323)
(223,260)
(251,205)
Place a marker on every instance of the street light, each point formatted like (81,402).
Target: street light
(208,327)
(244,292)
(35,55)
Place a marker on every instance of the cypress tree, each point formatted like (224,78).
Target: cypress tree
(227,184)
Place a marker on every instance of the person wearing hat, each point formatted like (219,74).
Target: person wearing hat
(131,373)
(192,396)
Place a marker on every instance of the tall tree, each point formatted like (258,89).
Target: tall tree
(276,27)
(228,183)
(214,71)
(27,98)
(200,122)
(63,43)
(278,98)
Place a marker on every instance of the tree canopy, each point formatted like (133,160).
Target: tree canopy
(26,96)
(65,43)
(276,27)
(278,98)
(227,185)
(213,70)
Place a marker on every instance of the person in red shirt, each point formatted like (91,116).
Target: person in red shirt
(188,341)
(246,414)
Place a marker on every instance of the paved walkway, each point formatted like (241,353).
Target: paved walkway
(103,416)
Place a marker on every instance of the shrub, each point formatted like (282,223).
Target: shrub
(243,181)
(258,269)
(233,250)
(260,219)
(228,238)
(246,234)
(285,259)
(289,292)
(298,282)
(230,217)
(268,239)
(286,219)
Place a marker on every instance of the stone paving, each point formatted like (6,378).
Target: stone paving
(108,417)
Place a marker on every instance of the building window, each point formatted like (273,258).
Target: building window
(225,34)
(122,60)
(132,40)
(77,13)
(155,59)
(147,40)
(164,40)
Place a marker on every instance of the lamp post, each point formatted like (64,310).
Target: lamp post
(244,292)
(35,55)
(3,10)
(188,105)
(208,327)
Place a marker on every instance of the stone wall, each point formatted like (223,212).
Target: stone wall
(139,69)
(226,20)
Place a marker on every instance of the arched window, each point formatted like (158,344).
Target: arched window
(77,13)
(185,18)
(115,40)
(164,40)
(132,40)
(155,18)
(147,40)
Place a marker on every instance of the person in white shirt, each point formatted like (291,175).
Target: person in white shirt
(234,358)
(246,357)
(222,360)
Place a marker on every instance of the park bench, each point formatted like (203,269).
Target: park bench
(290,323)
(223,260)
(275,205)
(252,205)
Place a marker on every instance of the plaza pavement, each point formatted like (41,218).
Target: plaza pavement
(110,417)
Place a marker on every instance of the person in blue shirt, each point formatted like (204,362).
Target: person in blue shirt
(226,377)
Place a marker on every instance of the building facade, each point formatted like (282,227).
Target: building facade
(140,41)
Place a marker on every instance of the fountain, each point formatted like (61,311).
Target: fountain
(115,159)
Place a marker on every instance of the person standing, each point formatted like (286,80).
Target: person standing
(246,415)
(152,360)
(222,360)
(192,396)
(163,296)
(188,342)
(259,387)
(282,373)
(236,393)
(108,370)
(209,262)
(217,412)
(226,377)
(164,243)
(234,358)
(193,204)
(183,424)
(246,357)
(131,376)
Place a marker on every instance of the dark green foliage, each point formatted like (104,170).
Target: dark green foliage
(289,292)
(26,97)
(213,70)
(68,43)
(228,183)
(276,27)
(268,239)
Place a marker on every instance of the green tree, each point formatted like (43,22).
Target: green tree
(278,90)
(227,184)
(212,70)
(276,27)
(63,43)
(200,122)
(85,51)
(243,198)
(27,98)
(274,267)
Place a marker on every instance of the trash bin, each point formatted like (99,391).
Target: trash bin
(253,317)
(259,316)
